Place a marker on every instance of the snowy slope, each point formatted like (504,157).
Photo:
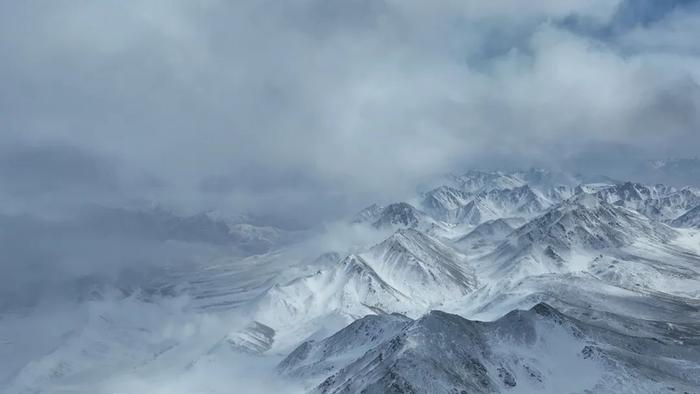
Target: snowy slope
(397,215)
(689,219)
(454,206)
(483,181)
(625,285)
(313,359)
(656,201)
(351,288)
(408,273)
(524,351)
(585,222)
(446,203)
(489,232)
(422,267)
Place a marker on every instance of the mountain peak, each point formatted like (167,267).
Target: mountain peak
(400,213)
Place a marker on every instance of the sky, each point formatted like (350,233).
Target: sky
(305,109)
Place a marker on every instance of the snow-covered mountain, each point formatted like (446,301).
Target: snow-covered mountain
(572,233)
(454,206)
(394,216)
(422,267)
(206,227)
(587,221)
(483,181)
(523,351)
(407,273)
(352,288)
(504,203)
(446,203)
(656,201)
(399,214)
(617,264)
(489,232)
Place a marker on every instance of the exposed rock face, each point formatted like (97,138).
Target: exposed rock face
(532,350)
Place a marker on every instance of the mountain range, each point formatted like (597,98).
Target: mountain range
(602,278)
(516,282)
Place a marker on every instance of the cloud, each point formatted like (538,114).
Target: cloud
(312,108)
(26,171)
(177,351)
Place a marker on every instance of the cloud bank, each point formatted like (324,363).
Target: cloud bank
(309,108)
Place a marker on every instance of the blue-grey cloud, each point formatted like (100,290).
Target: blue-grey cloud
(309,108)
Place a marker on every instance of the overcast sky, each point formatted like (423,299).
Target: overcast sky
(307,107)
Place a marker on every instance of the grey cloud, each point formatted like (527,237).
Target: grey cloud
(312,108)
(27,170)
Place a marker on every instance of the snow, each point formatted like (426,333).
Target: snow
(525,351)
(486,246)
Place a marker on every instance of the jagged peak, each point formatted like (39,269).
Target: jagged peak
(401,213)
(444,189)
(541,310)
(437,318)
(408,240)
(353,259)
(370,320)
(407,234)
(399,207)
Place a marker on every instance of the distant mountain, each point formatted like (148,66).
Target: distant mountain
(542,179)
(656,201)
(454,206)
(446,203)
(568,236)
(587,221)
(484,181)
(164,225)
(504,203)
